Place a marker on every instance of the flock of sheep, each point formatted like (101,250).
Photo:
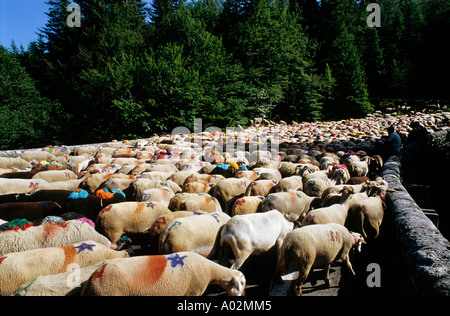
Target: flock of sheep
(70,219)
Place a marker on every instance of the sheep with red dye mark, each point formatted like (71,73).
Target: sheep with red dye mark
(128,217)
(161,223)
(315,246)
(176,274)
(194,233)
(247,205)
(53,232)
(20,185)
(68,283)
(19,267)
(201,202)
(55,175)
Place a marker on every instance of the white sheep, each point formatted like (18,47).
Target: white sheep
(252,234)
(315,246)
(128,217)
(52,233)
(177,274)
(194,233)
(19,267)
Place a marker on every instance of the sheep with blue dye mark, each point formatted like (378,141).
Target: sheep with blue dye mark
(53,232)
(194,233)
(19,267)
(176,274)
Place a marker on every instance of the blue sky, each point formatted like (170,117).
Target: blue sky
(20,20)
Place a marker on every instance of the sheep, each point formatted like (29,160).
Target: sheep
(249,174)
(138,186)
(162,195)
(19,267)
(315,246)
(252,234)
(194,233)
(260,187)
(197,187)
(177,274)
(289,183)
(37,156)
(52,233)
(358,168)
(316,186)
(180,176)
(365,215)
(336,213)
(201,202)
(20,185)
(178,198)
(161,223)
(90,205)
(128,217)
(29,210)
(204,178)
(68,283)
(247,205)
(55,175)
(268,174)
(226,189)
(17,162)
(293,204)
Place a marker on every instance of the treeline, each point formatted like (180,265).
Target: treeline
(133,69)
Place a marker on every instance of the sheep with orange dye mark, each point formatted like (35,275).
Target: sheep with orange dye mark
(49,234)
(176,274)
(19,267)
(128,217)
(315,246)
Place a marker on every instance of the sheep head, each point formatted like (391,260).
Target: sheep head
(358,239)
(236,286)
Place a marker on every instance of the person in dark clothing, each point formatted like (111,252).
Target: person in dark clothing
(393,143)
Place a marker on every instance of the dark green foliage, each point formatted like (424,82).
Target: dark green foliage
(133,68)
(26,118)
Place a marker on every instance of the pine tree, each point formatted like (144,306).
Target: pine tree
(340,24)
(27,120)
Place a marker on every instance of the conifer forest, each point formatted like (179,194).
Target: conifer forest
(132,68)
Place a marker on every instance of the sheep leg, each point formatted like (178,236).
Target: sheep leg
(327,275)
(303,272)
(239,260)
(224,255)
(349,264)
